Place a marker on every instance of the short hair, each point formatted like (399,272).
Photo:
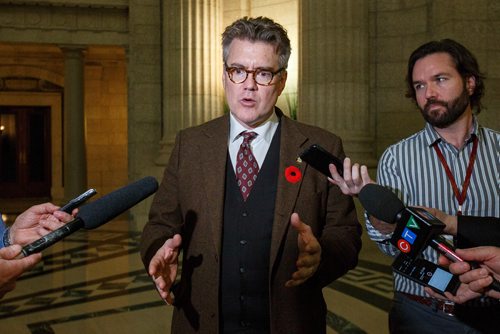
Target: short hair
(465,63)
(259,29)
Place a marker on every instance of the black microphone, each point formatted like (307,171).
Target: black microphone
(416,228)
(97,213)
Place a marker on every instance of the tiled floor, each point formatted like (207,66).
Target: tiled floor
(94,282)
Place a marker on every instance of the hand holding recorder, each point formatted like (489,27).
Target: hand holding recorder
(37,221)
(353,179)
(320,159)
(415,227)
(101,211)
(350,178)
(479,280)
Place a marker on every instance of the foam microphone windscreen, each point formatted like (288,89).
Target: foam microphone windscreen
(111,205)
(380,202)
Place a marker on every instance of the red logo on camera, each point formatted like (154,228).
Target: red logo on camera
(404,246)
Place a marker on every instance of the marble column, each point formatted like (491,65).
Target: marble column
(192,67)
(334,72)
(75,162)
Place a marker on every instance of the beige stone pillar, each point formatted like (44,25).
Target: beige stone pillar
(192,67)
(334,72)
(75,162)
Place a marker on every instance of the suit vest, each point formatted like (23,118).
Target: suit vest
(246,244)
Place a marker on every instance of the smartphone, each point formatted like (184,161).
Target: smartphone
(320,159)
(77,201)
(427,273)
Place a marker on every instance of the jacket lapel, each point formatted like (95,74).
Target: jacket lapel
(213,157)
(292,141)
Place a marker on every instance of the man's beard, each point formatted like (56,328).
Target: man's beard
(454,109)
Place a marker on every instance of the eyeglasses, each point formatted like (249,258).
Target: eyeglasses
(262,77)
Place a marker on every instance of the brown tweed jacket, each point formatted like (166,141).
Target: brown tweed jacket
(190,201)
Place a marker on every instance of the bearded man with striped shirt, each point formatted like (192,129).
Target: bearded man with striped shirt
(452,165)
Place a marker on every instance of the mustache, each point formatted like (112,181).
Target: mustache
(434,101)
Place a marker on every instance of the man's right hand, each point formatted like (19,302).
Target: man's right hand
(449,220)
(478,279)
(163,267)
(11,268)
(354,179)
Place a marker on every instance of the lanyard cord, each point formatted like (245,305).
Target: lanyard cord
(459,196)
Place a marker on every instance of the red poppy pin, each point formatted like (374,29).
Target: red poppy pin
(293,174)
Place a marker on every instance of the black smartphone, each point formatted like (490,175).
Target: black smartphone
(77,201)
(427,273)
(320,159)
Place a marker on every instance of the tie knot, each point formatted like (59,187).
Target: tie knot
(248,136)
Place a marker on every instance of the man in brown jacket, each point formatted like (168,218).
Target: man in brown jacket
(260,233)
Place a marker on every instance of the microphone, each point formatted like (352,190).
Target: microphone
(97,213)
(416,228)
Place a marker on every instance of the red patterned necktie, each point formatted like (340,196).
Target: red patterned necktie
(247,167)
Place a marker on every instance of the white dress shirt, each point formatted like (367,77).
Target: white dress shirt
(260,145)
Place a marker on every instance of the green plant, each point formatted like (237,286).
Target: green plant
(291,101)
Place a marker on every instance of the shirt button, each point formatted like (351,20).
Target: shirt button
(242,270)
(243,242)
(244,214)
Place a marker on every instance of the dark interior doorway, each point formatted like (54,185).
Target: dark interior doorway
(25,164)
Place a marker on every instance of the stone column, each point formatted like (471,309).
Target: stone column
(192,67)
(334,72)
(75,162)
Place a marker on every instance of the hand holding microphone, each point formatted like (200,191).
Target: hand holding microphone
(415,227)
(97,213)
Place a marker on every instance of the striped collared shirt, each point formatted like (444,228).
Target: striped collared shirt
(412,169)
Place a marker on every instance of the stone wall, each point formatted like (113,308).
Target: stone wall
(106,121)
(143,58)
(399,27)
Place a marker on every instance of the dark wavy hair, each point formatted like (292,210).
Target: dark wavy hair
(465,63)
(259,29)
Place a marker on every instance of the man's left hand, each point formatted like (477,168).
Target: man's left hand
(309,253)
